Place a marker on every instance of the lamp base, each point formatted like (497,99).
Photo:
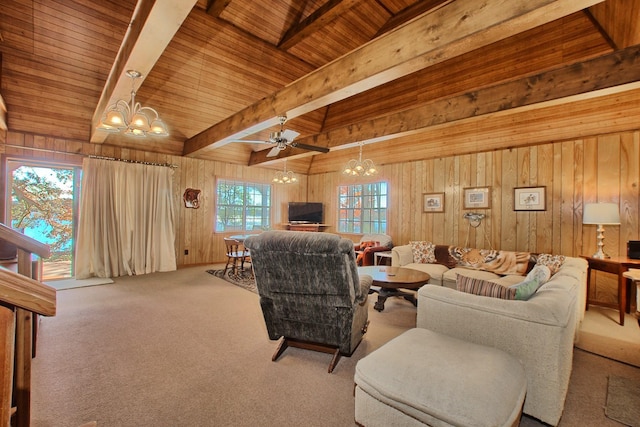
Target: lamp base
(600,255)
(600,238)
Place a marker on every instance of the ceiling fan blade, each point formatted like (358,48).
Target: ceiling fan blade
(252,141)
(274,152)
(289,135)
(310,147)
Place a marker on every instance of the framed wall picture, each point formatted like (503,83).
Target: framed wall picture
(477,198)
(530,199)
(433,202)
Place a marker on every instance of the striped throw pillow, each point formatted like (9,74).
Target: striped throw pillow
(483,288)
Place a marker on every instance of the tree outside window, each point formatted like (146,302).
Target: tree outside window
(242,206)
(42,206)
(362,208)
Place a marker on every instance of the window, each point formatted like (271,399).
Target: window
(363,208)
(242,206)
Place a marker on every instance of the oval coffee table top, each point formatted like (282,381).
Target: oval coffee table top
(395,277)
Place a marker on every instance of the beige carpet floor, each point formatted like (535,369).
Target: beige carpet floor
(188,349)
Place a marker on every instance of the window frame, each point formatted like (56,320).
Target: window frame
(373,204)
(249,188)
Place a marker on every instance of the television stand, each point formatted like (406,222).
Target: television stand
(306,227)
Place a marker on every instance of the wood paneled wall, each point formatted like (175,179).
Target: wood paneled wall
(603,168)
(574,172)
(194,227)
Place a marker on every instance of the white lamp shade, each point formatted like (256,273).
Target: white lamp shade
(158,128)
(115,118)
(601,213)
(140,122)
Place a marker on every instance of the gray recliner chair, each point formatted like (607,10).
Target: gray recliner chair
(310,292)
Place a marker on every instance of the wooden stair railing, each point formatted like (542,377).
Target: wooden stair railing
(21,300)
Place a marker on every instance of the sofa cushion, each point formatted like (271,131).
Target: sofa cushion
(433,270)
(484,288)
(423,252)
(554,262)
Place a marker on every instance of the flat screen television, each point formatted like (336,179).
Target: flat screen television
(305,213)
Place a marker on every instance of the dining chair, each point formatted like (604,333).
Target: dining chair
(236,253)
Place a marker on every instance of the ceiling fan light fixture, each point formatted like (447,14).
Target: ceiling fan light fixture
(131,117)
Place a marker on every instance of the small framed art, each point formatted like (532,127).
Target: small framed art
(530,199)
(477,198)
(433,202)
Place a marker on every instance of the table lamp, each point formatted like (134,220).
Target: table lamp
(601,214)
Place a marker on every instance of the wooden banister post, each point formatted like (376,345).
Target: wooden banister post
(7,341)
(23,350)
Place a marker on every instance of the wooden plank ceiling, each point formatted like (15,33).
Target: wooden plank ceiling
(402,76)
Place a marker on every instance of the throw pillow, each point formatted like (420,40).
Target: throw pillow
(525,289)
(483,288)
(541,272)
(423,252)
(554,262)
(537,277)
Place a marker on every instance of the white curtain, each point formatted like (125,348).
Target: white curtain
(126,222)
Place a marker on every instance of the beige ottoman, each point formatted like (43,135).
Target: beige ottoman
(425,378)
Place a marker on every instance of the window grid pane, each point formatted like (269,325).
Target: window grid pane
(362,208)
(242,206)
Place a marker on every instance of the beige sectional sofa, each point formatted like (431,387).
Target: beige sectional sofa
(540,332)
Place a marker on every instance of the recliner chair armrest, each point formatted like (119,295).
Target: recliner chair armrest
(362,290)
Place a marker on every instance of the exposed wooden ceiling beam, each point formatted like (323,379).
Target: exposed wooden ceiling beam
(318,19)
(216,7)
(411,12)
(457,28)
(620,20)
(3,114)
(609,71)
(152,26)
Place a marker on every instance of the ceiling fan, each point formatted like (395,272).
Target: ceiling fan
(285,138)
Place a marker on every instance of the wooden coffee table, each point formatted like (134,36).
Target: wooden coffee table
(391,279)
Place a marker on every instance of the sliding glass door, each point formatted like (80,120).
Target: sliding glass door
(42,202)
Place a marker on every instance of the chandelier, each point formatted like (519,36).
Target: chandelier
(131,117)
(359,167)
(285,177)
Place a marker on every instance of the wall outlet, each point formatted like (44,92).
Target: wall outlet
(186,251)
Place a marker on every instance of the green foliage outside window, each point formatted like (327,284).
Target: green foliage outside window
(42,206)
(242,206)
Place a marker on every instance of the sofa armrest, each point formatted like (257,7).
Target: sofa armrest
(401,255)
(538,332)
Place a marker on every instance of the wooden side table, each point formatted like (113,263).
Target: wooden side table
(634,276)
(616,265)
(377,257)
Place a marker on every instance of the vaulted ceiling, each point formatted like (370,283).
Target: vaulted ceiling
(410,79)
